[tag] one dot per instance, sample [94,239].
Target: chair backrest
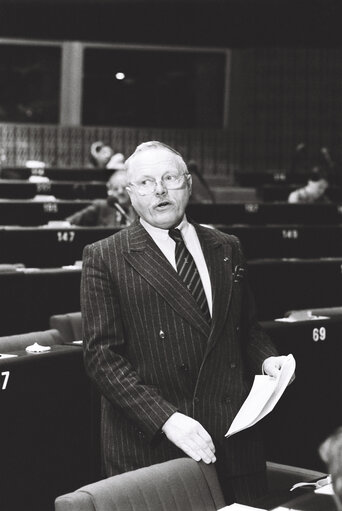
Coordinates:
[181,484]
[19,342]
[69,325]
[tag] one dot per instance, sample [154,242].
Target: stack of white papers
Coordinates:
[264,395]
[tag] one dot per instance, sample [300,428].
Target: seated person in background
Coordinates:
[115,211]
[102,156]
[314,191]
[331,453]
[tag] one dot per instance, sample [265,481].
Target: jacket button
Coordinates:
[162,334]
[233,365]
[184,367]
[141,434]
[196,399]
[238,329]
[226,399]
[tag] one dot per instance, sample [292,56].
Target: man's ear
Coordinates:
[190,183]
[129,191]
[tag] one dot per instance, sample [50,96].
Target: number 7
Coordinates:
[6,375]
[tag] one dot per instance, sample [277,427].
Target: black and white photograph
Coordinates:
[171,255]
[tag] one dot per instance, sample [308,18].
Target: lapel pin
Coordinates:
[226,259]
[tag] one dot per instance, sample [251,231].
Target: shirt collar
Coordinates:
[163,234]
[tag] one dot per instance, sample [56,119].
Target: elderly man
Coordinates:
[170,333]
[115,211]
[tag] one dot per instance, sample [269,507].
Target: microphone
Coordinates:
[326,155]
[193,169]
[113,202]
[299,158]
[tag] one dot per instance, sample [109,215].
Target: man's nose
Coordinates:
[160,187]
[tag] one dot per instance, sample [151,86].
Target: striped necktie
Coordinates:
[188,272]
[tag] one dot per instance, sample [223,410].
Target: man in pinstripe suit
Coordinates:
[172,381]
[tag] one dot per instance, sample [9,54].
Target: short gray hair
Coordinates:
[155,144]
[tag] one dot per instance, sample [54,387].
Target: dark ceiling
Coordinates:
[225,23]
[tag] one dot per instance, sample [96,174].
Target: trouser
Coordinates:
[244,488]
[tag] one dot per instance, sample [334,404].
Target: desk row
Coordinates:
[57,174]
[51,415]
[31,212]
[16,189]
[29,297]
[53,247]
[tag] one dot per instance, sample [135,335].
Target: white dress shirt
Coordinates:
[167,245]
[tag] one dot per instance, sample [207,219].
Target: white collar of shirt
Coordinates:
[167,246]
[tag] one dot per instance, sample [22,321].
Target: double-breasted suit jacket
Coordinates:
[150,351]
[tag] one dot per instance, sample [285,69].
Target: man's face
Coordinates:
[163,208]
[117,188]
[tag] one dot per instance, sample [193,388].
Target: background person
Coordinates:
[170,334]
[115,211]
[331,453]
[103,156]
[314,191]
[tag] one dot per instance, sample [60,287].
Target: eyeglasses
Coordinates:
[149,184]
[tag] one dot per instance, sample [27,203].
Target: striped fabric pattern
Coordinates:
[188,272]
[151,352]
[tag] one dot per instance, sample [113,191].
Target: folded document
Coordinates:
[264,395]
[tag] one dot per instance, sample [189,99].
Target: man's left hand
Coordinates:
[273,365]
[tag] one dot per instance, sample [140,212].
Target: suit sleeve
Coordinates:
[104,341]
[257,344]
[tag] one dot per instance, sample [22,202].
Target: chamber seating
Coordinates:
[284,241]
[59,246]
[282,284]
[263,213]
[57,174]
[269,177]
[322,311]
[310,408]
[29,297]
[32,212]
[49,444]
[19,189]
[47,247]
[68,325]
[18,342]
[181,484]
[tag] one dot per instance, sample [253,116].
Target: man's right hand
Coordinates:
[188,434]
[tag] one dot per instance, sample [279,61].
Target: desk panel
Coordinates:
[47,247]
[46,427]
[57,174]
[304,283]
[30,212]
[52,247]
[276,177]
[259,213]
[28,299]
[277,285]
[19,189]
[310,409]
[301,241]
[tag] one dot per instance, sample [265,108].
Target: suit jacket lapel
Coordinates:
[218,257]
[148,260]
